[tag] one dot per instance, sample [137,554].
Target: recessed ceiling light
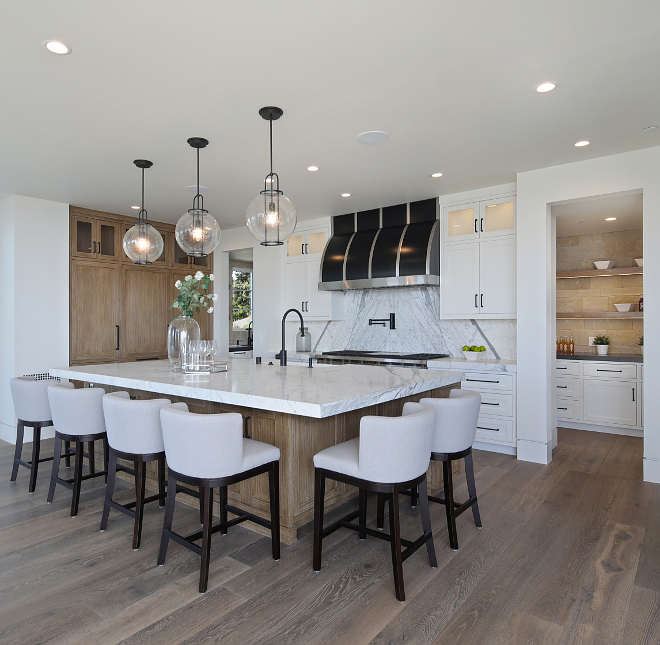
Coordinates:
[135,208]
[580,144]
[436,174]
[312,168]
[57,47]
[546,87]
[649,128]
[193,189]
[610,219]
[580,221]
[345,194]
[372,137]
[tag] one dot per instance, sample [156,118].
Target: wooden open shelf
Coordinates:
[596,315]
[600,273]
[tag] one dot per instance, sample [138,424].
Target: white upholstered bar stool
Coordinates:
[134,434]
[32,409]
[209,451]
[78,418]
[392,454]
[455,430]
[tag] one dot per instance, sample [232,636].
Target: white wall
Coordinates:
[34,272]
[537,190]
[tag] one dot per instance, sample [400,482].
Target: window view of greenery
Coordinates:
[241,298]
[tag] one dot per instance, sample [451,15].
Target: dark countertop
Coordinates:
[616,358]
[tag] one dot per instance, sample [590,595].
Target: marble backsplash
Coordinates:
[418,327]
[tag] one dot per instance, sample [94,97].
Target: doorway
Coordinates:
[241,302]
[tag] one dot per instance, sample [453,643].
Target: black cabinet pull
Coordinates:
[306,249]
[476,300]
[478,380]
[484,428]
[302,249]
[475,226]
[482,224]
[482,300]
[486,403]
[117,348]
[563,387]
[562,408]
[245,427]
[562,368]
[633,393]
[600,370]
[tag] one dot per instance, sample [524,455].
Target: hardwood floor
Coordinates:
[569,554]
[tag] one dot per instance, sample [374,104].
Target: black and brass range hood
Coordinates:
[394,246]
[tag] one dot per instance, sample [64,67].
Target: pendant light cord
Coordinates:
[271,147]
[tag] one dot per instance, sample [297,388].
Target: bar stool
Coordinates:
[78,418]
[31,406]
[392,454]
[134,434]
[455,430]
[209,451]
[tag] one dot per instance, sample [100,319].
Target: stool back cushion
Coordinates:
[207,446]
[133,426]
[396,449]
[77,412]
[456,420]
[31,397]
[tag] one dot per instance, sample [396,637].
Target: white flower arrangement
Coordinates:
[193,294]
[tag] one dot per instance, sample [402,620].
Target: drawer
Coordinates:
[568,386]
[488,381]
[492,429]
[568,368]
[597,369]
[493,403]
[569,410]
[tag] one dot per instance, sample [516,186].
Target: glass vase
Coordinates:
[181,331]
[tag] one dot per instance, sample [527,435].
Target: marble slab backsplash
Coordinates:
[418,327]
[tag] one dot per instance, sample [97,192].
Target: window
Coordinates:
[241,298]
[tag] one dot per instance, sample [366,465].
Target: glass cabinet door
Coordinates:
[83,237]
[181,258]
[107,242]
[315,244]
[498,217]
[295,247]
[461,222]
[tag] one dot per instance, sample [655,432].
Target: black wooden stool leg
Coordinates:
[472,488]
[363,513]
[167,520]
[36,448]
[222,501]
[67,454]
[426,522]
[201,506]
[141,479]
[109,490]
[449,505]
[274,490]
[207,507]
[57,454]
[77,477]
[395,544]
[20,433]
[319,495]
[414,496]
[380,512]
[91,458]
[161,481]
[106,457]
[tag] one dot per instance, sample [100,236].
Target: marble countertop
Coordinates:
[480,365]
[294,389]
[612,358]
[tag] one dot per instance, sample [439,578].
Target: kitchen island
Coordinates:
[298,409]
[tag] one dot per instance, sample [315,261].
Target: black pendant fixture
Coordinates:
[143,243]
[271,217]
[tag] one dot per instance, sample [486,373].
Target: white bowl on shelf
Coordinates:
[474,356]
[604,264]
[639,262]
[626,306]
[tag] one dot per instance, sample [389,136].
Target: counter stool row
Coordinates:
[207,451]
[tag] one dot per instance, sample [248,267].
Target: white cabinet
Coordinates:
[300,277]
[610,403]
[497,277]
[459,280]
[479,220]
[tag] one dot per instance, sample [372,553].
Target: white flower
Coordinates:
[210,310]
[188,278]
[195,296]
[177,284]
[214,296]
[175,305]
[199,275]
[211,277]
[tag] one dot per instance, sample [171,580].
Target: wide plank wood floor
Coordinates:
[569,553]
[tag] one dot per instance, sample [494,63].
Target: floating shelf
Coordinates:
[596,315]
[600,273]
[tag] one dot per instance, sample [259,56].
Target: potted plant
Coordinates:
[602,343]
[641,344]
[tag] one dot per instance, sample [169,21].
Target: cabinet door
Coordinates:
[315,243]
[497,217]
[497,276]
[318,304]
[610,403]
[459,279]
[179,257]
[145,315]
[460,223]
[107,240]
[82,237]
[94,310]
[295,247]
[294,286]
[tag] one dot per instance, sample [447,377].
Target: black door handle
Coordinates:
[486,403]
[245,427]
[475,226]
[117,348]
[484,428]
[482,300]
[476,300]
[633,393]
[482,224]
[563,387]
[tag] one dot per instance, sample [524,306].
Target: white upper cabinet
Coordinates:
[479,220]
[459,279]
[497,217]
[497,276]
[460,223]
[307,245]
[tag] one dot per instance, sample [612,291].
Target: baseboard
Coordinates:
[652,470]
[494,447]
[592,427]
[535,451]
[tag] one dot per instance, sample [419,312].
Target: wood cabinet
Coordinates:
[94,238]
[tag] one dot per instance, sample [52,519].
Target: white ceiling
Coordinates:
[451,82]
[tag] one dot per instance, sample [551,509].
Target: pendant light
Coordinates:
[197,232]
[143,243]
[271,217]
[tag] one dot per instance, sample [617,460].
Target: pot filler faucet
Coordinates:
[302,333]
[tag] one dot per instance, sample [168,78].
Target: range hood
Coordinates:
[395,246]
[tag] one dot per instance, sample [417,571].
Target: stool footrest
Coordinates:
[460,507]
[340,523]
[68,483]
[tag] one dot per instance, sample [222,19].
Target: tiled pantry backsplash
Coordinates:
[599,294]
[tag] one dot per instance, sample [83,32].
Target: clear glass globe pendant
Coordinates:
[197,232]
[271,217]
[142,242]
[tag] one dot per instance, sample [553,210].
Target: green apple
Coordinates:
[482,349]
[466,348]
[474,348]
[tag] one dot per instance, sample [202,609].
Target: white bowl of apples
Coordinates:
[473,352]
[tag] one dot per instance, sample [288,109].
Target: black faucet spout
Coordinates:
[302,333]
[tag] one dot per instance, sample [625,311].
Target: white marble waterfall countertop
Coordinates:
[294,389]
[479,365]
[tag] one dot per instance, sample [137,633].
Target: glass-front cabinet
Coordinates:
[479,220]
[307,245]
[95,238]
[181,259]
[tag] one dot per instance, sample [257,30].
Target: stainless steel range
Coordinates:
[352,356]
